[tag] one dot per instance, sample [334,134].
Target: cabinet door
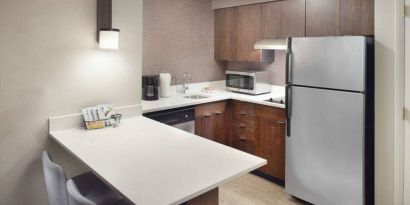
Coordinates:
[211,121]
[293,18]
[204,125]
[272,19]
[224,34]
[247,32]
[220,127]
[322,17]
[368,17]
[356,17]
[270,136]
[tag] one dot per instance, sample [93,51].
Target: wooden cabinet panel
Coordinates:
[204,126]
[368,17]
[221,127]
[270,137]
[350,19]
[322,17]
[293,18]
[248,30]
[272,19]
[244,109]
[243,126]
[225,34]
[243,144]
[243,131]
[212,121]
[356,17]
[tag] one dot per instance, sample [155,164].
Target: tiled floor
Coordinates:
[253,190]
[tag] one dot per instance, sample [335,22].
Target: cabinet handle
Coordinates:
[242,126]
[218,113]
[278,130]
[207,115]
[242,138]
[242,113]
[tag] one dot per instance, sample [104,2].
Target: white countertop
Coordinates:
[152,163]
[178,100]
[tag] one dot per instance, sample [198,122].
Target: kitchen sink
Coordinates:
[196,97]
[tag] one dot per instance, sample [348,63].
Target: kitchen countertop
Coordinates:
[178,100]
[152,163]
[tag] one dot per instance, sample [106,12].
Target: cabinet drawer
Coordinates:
[248,121]
[210,109]
[243,131]
[243,111]
[244,145]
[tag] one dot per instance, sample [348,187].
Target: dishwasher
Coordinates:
[181,118]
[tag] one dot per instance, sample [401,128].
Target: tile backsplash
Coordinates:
[179,38]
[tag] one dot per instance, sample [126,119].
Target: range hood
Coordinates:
[271,44]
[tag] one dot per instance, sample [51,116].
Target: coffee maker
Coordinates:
[150,84]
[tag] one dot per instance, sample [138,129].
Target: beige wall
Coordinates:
[179,38]
[50,65]
[389,66]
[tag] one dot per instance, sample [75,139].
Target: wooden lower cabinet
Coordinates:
[243,126]
[255,129]
[270,139]
[212,121]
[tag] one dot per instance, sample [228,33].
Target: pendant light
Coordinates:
[107,37]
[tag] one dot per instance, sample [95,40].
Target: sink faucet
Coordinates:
[187,79]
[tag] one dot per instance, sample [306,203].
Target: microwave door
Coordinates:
[240,81]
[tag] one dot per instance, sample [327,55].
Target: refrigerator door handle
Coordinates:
[288,101]
[289,62]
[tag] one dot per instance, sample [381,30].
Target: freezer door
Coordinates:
[325,151]
[328,62]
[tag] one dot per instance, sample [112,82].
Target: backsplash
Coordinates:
[278,67]
[179,38]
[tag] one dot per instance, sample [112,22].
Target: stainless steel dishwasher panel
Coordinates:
[181,118]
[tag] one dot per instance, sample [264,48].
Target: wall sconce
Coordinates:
[107,37]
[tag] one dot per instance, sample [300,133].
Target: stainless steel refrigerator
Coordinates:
[330,120]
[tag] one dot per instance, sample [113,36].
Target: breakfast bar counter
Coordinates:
[152,163]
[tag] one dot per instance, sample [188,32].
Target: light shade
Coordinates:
[109,38]
[271,44]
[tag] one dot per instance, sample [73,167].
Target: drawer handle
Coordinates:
[242,138]
[207,115]
[281,122]
[242,126]
[243,113]
[218,113]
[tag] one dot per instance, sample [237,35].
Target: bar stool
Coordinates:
[91,189]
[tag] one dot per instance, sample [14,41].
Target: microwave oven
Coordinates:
[252,82]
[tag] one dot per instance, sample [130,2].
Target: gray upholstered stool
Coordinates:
[85,189]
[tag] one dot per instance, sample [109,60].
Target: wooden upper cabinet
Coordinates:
[356,17]
[225,34]
[293,18]
[248,31]
[368,17]
[272,19]
[322,17]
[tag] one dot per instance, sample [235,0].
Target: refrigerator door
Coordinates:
[328,62]
[325,151]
